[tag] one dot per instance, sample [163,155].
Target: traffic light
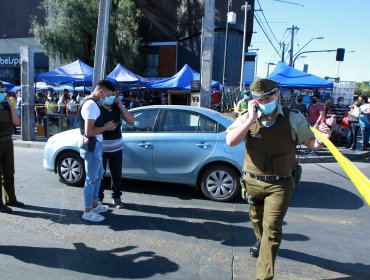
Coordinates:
[340,54]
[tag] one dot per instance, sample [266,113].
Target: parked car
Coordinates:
[168,143]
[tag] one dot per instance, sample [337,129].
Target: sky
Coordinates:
[343,24]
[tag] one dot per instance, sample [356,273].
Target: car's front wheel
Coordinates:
[220,183]
[70,168]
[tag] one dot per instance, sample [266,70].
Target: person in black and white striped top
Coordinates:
[112,109]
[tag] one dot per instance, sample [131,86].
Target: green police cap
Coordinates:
[263,88]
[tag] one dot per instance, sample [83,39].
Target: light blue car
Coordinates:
[168,143]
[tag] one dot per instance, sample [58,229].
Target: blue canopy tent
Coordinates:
[75,73]
[289,77]
[8,86]
[181,80]
[125,77]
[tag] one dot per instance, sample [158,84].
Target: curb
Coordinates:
[29,144]
[328,158]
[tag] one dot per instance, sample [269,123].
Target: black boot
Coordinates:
[255,249]
[5,209]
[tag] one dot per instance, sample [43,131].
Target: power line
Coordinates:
[266,35]
[263,14]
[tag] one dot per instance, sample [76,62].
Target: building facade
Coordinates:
[171,33]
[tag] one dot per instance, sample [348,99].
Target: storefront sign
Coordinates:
[9,60]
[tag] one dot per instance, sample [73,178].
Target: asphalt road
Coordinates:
[172,232]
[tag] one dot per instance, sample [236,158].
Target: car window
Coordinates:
[144,121]
[186,121]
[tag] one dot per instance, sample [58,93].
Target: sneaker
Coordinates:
[100,208]
[92,217]
[117,203]
[254,251]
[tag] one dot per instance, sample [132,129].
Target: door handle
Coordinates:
[145,145]
[203,145]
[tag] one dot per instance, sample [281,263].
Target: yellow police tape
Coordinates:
[361,182]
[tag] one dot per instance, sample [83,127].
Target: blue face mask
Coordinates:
[340,103]
[267,108]
[120,97]
[2,97]
[109,100]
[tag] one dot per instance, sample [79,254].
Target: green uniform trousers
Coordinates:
[7,171]
[267,219]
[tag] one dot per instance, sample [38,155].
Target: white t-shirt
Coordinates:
[90,111]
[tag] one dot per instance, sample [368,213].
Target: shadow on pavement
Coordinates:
[224,232]
[194,213]
[358,271]
[116,263]
[184,192]
[324,196]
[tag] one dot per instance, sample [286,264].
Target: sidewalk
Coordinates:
[321,156]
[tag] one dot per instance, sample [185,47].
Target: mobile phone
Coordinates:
[256,108]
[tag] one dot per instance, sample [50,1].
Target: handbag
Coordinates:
[345,122]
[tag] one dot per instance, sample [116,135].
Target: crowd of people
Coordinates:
[344,120]
[51,105]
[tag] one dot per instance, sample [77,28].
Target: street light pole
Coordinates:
[226,41]
[298,54]
[316,38]
[246,8]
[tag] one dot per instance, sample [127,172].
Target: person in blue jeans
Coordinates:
[364,121]
[113,109]
[91,127]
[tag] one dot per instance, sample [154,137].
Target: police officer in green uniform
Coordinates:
[271,133]
[8,119]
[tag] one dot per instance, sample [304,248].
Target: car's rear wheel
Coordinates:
[71,170]
[220,183]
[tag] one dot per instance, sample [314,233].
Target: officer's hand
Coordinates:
[252,110]
[111,125]
[324,129]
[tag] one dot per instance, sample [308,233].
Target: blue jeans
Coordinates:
[72,120]
[352,136]
[365,131]
[94,173]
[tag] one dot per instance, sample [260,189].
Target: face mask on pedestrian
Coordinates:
[314,101]
[109,100]
[340,103]
[120,97]
[299,100]
[50,98]
[2,97]
[267,108]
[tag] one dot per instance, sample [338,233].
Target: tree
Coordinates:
[70,31]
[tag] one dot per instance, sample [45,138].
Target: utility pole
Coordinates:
[292,44]
[229,4]
[101,41]
[28,94]
[246,8]
[207,53]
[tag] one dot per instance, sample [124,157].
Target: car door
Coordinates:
[184,140]
[138,144]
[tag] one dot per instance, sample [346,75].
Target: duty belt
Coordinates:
[268,178]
